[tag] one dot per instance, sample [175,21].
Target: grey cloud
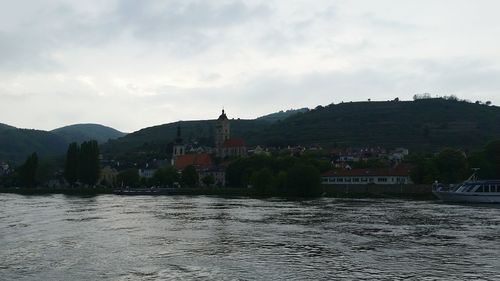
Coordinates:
[181,27]
[188,27]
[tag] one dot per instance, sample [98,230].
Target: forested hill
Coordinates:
[155,141]
[420,124]
[84,132]
[427,124]
[16,144]
[282,115]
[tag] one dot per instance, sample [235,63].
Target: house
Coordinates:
[398,155]
[108,175]
[147,172]
[233,147]
[4,169]
[217,172]
[199,161]
[398,175]
[204,165]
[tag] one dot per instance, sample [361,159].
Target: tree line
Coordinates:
[82,163]
[166,176]
[278,175]
[454,166]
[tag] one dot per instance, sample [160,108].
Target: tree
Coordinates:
[303,181]
[452,165]
[89,162]
[165,176]
[208,180]
[71,165]
[129,177]
[492,156]
[189,176]
[262,182]
[425,171]
[27,172]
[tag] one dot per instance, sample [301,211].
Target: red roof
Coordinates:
[234,143]
[202,160]
[384,172]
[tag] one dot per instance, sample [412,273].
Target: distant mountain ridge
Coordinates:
[83,132]
[16,144]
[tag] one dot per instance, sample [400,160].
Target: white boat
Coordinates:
[470,191]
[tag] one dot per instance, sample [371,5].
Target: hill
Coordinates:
[156,141]
[421,124]
[282,115]
[5,127]
[83,132]
[16,144]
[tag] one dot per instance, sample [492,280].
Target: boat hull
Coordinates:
[459,197]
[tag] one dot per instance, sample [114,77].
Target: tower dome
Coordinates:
[223,116]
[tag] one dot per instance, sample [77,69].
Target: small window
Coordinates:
[340,180]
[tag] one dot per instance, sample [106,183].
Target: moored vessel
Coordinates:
[470,191]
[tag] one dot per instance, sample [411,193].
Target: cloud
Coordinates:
[141,63]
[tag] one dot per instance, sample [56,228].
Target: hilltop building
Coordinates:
[225,146]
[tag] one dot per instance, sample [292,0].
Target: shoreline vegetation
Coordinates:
[417,192]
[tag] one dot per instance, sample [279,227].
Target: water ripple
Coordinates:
[208,238]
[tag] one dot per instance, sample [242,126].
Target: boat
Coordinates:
[470,191]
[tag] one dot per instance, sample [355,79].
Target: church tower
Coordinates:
[179,147]
[222,131]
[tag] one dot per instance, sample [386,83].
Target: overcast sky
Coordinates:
[134,64]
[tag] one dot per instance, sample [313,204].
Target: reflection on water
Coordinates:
[205,238]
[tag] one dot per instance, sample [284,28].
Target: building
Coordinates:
[200,161]
[398,175]
[108,176]
[218,173]
[222,130]
[225,146]
[4,169]
[179,148]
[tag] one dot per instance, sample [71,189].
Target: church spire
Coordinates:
[178,139]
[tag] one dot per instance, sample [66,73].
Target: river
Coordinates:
[109,237]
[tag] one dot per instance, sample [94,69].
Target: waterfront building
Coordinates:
[398,175]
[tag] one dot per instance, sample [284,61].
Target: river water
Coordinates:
[109,237]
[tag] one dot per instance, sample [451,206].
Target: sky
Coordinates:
[132,64]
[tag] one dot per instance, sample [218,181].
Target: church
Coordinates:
[225,146]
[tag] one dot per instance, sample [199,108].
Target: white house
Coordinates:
[400,175]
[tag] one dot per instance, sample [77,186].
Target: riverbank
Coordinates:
[379,191]
[334,191]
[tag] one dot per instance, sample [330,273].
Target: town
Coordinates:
[231,164]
